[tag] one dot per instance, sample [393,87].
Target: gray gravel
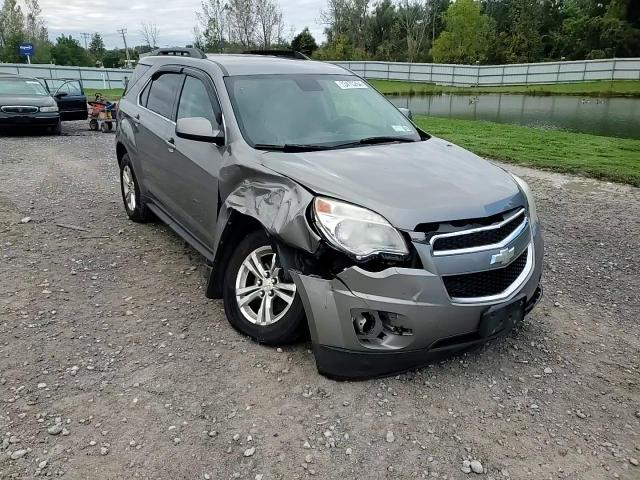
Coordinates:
[105,334]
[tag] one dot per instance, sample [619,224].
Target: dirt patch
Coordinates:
[114,365]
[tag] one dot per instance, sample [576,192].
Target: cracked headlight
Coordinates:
[524,187]
[49,109]
[356,230]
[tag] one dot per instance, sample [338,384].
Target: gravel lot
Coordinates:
[114,365]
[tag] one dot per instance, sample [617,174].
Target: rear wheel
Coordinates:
[133,202]
[260,300]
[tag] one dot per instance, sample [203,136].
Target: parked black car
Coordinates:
[26,102]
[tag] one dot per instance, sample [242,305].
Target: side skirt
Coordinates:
[182,232]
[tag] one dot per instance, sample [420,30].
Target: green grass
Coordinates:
[110,94]
[617,88]
[605,158]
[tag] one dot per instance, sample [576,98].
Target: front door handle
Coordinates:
[171,144]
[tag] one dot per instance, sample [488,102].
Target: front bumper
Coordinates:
[38,119]
[431,325]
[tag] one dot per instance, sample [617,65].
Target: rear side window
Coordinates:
[195,102]
[163,93]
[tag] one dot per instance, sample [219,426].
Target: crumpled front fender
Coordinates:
[277,202]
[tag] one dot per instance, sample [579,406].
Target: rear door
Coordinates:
[71,101]
[155,122]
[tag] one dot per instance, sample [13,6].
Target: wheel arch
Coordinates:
[121,151]
[236,228]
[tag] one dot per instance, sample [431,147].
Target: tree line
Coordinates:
[481,31]
[442,31]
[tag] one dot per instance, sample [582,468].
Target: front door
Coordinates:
[71,101]
[193,180]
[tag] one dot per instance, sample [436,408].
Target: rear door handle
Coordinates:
[171,144]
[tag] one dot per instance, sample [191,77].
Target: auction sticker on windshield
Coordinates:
[347,84]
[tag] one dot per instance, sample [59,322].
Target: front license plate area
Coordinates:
[501,317]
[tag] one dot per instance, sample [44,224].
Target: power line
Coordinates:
[123,32]
[86,36]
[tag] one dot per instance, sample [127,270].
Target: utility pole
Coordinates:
[86,36]
[123,32]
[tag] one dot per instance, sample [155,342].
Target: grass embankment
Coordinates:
[605,158]
[617,88]
[110,94]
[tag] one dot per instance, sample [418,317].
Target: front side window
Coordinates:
[13,86]
[70,88]
[195,102]
[314,110]
[162,94]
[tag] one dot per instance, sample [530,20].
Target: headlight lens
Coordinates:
[533,214]
[49,109]
[356,230]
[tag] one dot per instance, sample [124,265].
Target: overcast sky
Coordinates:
[175,18]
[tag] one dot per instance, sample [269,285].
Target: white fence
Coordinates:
[91,77]
[443,74]
[515,74]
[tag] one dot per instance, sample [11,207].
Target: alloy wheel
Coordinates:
[263,297]
[129,188]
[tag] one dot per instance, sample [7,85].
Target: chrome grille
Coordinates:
[482,237]
[19,109]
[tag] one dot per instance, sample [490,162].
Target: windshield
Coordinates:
[314,110]
[19,86]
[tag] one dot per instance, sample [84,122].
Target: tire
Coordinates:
[93,125]
[285,322]
[134,205]
[104,127]
[57,129]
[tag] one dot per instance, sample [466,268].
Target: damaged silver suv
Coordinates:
[321,207]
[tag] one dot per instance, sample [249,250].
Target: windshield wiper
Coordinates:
[384,139]
[290,147]
[375,140]
[296,147]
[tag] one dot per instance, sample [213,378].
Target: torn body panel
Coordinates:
[275,201]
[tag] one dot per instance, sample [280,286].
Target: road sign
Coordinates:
[27,50]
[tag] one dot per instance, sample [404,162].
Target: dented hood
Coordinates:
[407,183]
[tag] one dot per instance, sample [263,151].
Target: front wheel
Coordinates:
[260,300]
[56,129]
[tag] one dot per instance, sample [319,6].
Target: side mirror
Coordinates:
[199,129]
[61,94]
[406,112]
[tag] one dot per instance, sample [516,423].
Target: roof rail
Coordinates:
[179,52]
[279,53]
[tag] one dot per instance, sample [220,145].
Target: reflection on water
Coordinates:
[616,117]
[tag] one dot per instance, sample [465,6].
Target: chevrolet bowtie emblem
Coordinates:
[504,257]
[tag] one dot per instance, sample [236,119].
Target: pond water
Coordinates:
[616,117]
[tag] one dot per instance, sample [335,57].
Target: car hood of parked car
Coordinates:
[28,100]
[407,183]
